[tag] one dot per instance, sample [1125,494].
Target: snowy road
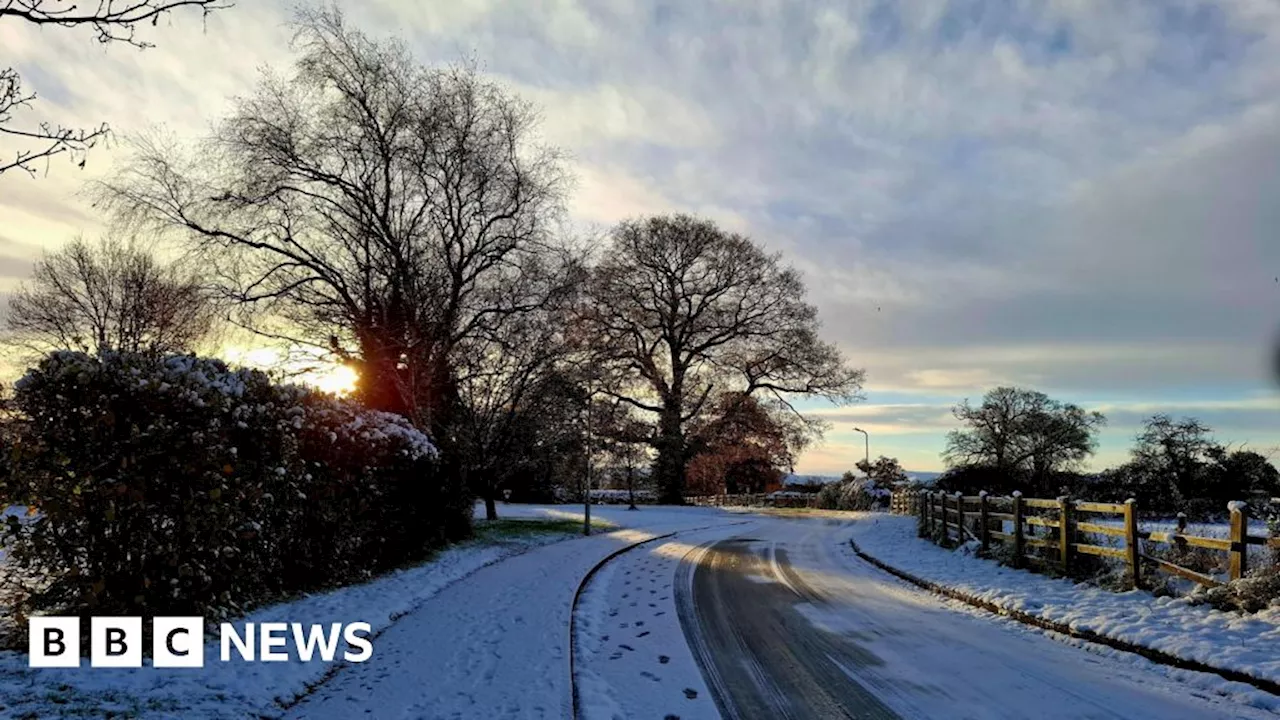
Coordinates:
[787,624]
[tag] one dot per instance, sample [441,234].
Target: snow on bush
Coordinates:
[178,486]
[858,493]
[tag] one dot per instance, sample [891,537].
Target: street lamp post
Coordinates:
[866,444]
[586,515]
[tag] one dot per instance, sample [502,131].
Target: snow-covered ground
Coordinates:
[240,689]
[632,657]
[1246,643]
[496,644]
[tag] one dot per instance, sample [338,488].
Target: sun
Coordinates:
[308,369]
[336,379]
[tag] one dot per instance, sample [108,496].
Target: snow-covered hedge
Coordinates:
[852,494]
[177,486]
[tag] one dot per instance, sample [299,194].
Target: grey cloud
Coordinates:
[957,184]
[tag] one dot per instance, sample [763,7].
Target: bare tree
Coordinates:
[111,295]
[381,211]
[681,312]
[112,21]
[1018,431]
[512,381]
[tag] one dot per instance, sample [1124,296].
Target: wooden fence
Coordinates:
[904,502]
[1056,529]
[756,500]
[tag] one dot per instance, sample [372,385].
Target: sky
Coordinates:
[1077,196]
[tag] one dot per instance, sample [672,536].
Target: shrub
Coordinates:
[174,485]
[1257,591]
[848,494]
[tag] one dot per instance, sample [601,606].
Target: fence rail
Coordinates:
[756,500]
[1066,523]
[903,502]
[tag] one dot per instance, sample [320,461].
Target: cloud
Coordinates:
[1069,194]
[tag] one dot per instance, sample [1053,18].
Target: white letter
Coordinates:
[352,639]
[273,637]
[328,643]
[245,646]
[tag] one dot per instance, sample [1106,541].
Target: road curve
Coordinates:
[787,624]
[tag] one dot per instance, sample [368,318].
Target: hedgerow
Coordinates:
[176,485]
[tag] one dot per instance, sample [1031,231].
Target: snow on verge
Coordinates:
[240,689]
[1232,641]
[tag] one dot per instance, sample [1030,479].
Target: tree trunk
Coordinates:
[669,467]
[490,507]
[631,487]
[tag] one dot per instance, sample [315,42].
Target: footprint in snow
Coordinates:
[646,632]
[690,693]
[627,647]
[663,659]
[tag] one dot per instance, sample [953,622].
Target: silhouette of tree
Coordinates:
[1022,433]
[111,295]
[681,311]
[113,21]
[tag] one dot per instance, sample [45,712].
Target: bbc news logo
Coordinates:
[178,642]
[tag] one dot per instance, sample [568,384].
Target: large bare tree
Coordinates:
[1016,432]
[110,295]
[681,312]
[385,212]
[112,21]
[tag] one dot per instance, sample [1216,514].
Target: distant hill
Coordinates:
[923,477]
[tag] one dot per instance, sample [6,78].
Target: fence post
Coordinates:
[1131,548]
[923,528]
[1239,538]
[946,528]
[1064,533]
[959,518]
[933,515]
[1018,540]
[984,524]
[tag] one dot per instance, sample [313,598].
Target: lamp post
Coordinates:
[586,515]
[866,444]
[592,391]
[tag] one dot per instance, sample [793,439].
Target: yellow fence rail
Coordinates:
[1066,523]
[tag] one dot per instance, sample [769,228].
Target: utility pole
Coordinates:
[866,444]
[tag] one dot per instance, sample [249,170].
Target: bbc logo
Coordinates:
[177,642]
